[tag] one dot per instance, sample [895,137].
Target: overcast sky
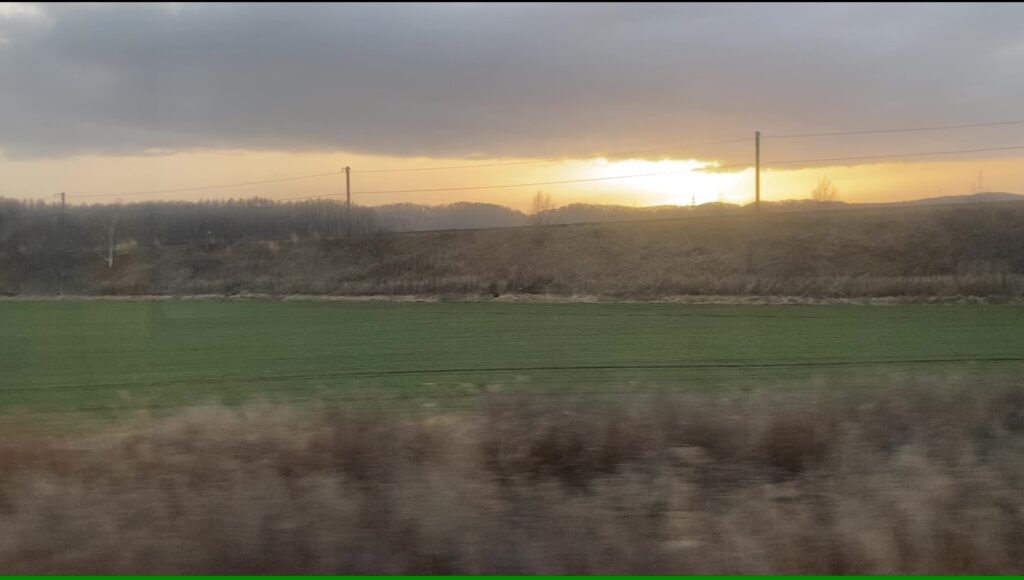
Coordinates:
[510,80]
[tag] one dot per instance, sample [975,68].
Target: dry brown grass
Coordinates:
[913,254]
[911,480]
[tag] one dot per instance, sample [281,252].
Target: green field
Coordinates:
[111,355]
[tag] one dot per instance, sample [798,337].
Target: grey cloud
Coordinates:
[504,80]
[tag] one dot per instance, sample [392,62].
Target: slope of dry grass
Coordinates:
[912,480]
[912,252]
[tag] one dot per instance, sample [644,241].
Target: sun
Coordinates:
[671,182]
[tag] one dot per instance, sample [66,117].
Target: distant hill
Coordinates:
[984,197]
[404,217]
[585,213]
[416,217]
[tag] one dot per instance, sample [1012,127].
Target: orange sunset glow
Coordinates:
[145,120]
[676,181]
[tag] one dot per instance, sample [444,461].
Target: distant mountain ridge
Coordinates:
[470,215]
[983,197]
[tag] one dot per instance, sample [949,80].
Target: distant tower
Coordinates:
[693,199]
[980,186]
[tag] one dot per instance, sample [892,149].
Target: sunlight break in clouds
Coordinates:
[111,98]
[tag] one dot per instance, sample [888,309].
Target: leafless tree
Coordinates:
[825,190]
[539,208]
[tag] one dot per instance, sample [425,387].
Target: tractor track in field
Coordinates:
[682,299]
[456,371]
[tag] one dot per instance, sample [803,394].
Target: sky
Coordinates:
[111,102]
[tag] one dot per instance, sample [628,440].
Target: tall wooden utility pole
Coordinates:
[757,171]
[757,202]
[63,246]
[348,202]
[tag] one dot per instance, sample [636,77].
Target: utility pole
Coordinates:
[348,202]
[63,246]
[757,201]
[757,171]
[109,259]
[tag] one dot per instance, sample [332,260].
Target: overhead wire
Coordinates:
[899,130]
[542,162]
[595,179]
[891,155]
[532,184]
[207,187]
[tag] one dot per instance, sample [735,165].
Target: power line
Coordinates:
[901,130]
[891,155]
[205,187]
[709,143]
[586,179]
[702,169]
[394,170]
[506,185]
[535,162]
[619,154]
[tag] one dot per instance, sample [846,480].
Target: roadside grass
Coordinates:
[895,480]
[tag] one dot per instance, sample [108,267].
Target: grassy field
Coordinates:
[685,439]
[115,355]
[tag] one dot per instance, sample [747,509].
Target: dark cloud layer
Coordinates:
[502,80]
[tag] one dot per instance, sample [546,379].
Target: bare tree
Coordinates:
[539,208]
[825,190]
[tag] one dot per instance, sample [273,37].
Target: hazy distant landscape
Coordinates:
[804,249]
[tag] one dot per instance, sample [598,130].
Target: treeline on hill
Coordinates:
[301,248]
[35,224]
